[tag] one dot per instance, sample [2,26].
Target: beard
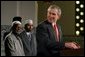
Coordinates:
[19,31]
[28,30]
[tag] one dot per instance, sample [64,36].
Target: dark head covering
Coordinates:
[17,18]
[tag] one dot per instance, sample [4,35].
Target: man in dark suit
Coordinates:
[29,39]
[49,34]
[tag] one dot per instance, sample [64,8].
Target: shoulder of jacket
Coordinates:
[22,32]
[8,35]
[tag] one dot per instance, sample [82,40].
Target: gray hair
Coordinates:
[55,7]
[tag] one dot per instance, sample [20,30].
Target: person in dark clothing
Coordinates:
[29,39]
[49,35]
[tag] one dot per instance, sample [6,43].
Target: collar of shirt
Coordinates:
[53,24]
[28,33]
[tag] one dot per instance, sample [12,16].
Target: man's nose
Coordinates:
[51,15]
[19,28]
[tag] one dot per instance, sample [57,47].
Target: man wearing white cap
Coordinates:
[16,18]
[13,43]
[28,39]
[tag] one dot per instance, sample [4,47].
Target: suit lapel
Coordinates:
[51,31]
[25,36]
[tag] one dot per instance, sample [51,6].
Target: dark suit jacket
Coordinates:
[30,46]
[46,41]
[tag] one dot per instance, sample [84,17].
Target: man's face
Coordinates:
[29,27]
[18,28]
[52,15]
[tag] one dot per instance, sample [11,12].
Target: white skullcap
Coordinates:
[29,21]
[16,22]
